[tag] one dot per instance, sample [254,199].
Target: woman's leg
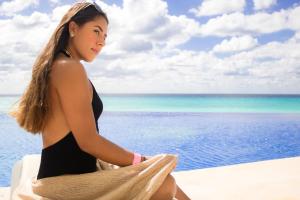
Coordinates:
[180,195]
[168,190]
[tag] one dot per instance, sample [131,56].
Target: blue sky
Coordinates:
[157,46]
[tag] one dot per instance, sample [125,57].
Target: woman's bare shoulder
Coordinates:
[67,70]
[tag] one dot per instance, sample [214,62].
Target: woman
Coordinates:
[62,104]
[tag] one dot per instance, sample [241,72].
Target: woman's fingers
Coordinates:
[147,157]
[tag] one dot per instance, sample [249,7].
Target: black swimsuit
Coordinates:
[65,156]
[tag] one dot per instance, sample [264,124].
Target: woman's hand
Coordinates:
[144,158]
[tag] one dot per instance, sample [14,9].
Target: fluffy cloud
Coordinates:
[236,44]
[153,23]
[36,19]
[59,12]
[263,4]
[216,7]
[129,44]
[54,2]
[9,8]
[293,17]
[22,37]
[237,24]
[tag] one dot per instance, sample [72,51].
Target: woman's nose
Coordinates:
[101,40]
[101,43]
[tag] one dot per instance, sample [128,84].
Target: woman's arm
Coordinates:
[104,149]
[72,86]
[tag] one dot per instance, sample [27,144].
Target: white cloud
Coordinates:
[9,8]
[236,44]
[154,25]
[131,44]
[263,4]
[22,37]
[293,18]
[217,7]
[236,24]
[296,37]
[54,2]
[58,12]
[35,19]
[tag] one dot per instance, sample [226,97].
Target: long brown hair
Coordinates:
[34,106]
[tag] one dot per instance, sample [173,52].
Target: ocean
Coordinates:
[203,130]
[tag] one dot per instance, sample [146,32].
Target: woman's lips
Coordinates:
[95,51]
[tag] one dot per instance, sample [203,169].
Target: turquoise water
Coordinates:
[193,103]
[203,130]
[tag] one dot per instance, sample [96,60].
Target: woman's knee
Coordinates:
[170,183]
[167,190]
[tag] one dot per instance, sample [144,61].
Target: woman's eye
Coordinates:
[96,31]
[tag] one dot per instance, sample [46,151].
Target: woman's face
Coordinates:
[89,39]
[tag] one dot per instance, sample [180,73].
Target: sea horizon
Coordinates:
[200,94]
[223,103]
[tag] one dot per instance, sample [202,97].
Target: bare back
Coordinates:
[56,126]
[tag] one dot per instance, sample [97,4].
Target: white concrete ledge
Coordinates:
[266,180]
[4,193]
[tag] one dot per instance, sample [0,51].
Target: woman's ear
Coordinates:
[73,27]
